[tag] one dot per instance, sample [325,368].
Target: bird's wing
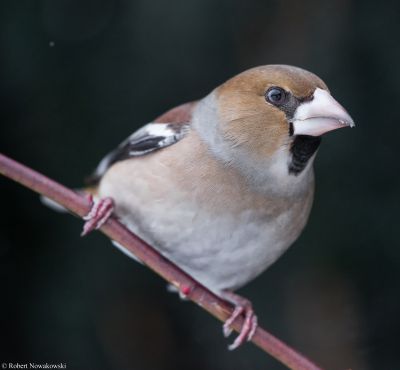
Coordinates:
[164,131]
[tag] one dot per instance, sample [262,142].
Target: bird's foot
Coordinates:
[98,215]
[242,306]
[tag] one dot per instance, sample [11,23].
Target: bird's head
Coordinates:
[274,114]
[266,107]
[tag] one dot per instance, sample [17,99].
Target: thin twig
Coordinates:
[154,260]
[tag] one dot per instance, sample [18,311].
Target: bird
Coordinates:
[222,186]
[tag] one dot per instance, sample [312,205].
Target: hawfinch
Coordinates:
[224,185]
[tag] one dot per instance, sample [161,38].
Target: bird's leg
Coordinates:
[98,215]
[242,306]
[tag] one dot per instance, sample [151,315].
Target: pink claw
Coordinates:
[98,215]
[242,306]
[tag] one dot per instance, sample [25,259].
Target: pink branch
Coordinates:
[154,260]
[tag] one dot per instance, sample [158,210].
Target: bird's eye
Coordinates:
[275,96]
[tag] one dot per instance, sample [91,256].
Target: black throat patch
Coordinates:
[303,147]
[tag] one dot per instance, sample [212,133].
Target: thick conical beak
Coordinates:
[320,115]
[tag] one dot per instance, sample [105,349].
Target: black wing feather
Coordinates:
[141,142]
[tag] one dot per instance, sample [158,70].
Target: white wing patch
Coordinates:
[154,129]
[149,138]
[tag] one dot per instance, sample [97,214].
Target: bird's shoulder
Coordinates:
[167,129]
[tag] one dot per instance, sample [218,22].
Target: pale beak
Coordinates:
[320,115]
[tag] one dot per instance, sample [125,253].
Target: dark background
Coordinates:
[77,77]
